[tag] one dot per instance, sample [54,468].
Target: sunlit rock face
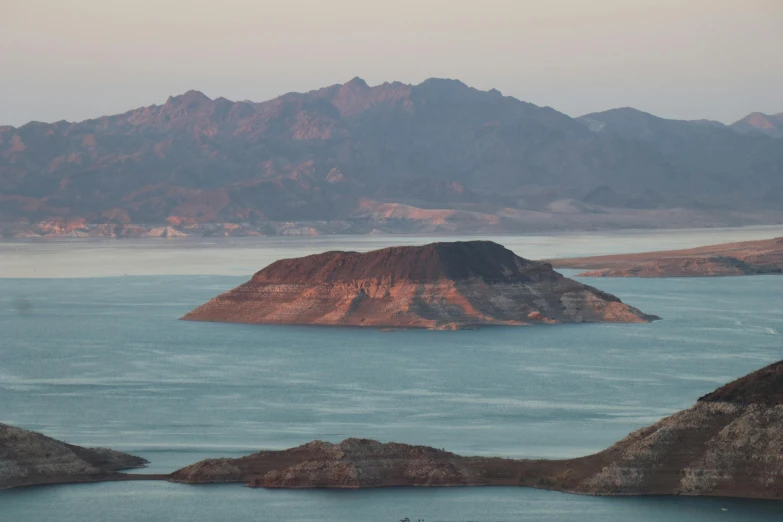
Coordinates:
[437,286]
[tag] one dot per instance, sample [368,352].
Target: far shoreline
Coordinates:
[66,239]
[242,256]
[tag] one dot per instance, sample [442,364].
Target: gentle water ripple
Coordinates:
[104,361]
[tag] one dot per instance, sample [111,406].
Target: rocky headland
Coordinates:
[28,458]
[728,259]
[437,286]
[730,443]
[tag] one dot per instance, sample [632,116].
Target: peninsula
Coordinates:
[728,259]
[28,458]
[437,286]
[728,444]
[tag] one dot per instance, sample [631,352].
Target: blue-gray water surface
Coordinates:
[104,362]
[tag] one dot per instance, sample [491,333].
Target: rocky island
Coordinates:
[28,458]
[437,286]
[728,259]
[730,443]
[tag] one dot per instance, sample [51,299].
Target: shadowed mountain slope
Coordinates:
[716,158]
[477,159]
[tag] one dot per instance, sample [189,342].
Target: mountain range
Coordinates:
[438,156]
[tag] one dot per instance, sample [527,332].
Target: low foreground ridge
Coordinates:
[728,444]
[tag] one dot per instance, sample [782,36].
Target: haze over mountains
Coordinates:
[438,156]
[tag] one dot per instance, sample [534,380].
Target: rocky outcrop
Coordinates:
[438,286]
[363,463]
[28,458]
[729,444]
[353,463]
[729,259]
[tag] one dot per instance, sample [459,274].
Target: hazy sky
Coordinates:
[75,59]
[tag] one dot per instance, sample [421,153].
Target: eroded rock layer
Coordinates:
[29,458]
[729,444]
[441,285]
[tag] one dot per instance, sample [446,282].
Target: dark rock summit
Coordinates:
[762,387]
[456,261]
[440,285]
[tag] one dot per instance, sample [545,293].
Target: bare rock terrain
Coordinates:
[437,286]
[729,444]
[29,458]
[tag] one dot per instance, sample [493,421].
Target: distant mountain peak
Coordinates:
[623,112]
[357,83]
[759,119]
[628,110]
[188,98]
[444,83]
[771,125]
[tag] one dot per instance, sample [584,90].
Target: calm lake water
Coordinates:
[103,361]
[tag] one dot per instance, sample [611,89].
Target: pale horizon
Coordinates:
[704,60]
